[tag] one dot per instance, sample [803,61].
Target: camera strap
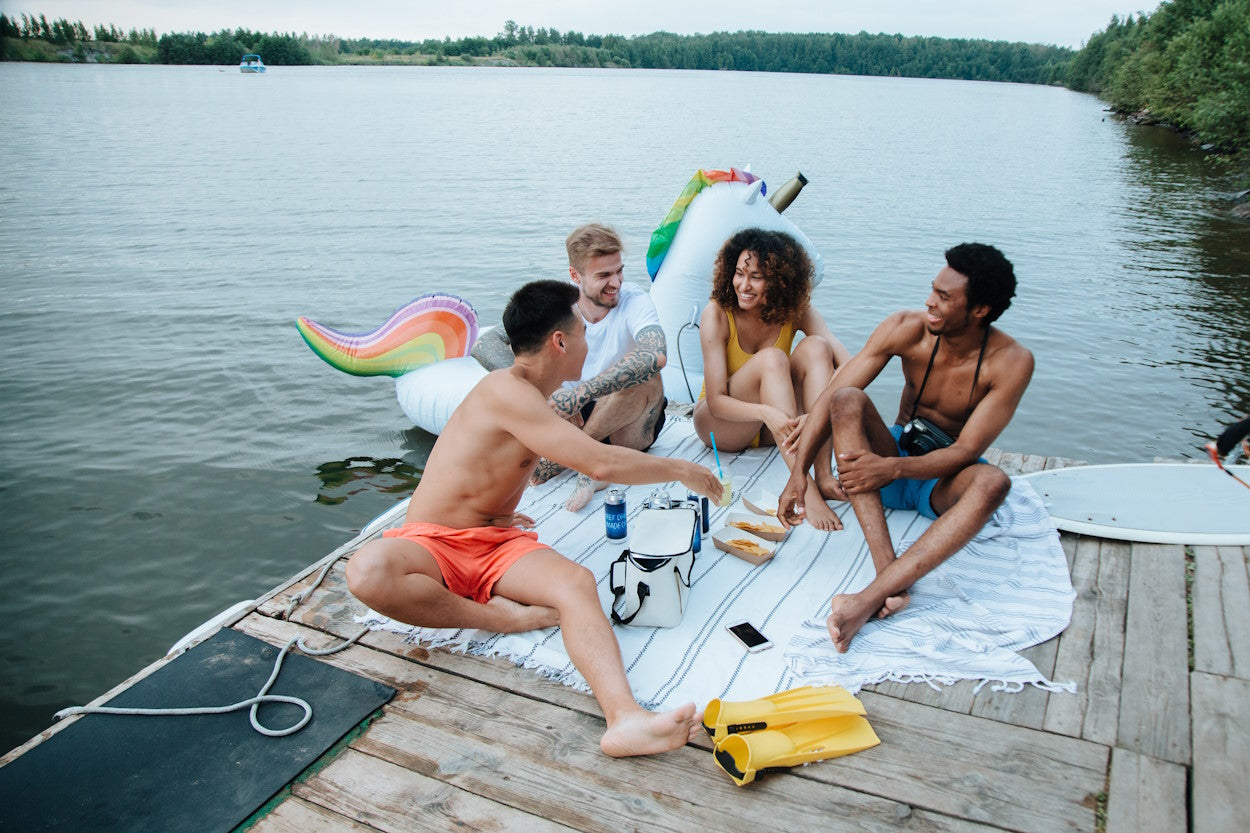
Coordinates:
[975,375]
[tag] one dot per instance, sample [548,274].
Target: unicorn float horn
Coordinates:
[785,195]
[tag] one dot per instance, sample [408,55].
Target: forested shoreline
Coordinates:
[1186,64]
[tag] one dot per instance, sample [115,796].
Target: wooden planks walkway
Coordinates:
[1155,739]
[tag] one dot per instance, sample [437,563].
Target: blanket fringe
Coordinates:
[938,681]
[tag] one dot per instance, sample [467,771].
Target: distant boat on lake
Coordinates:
[251,63]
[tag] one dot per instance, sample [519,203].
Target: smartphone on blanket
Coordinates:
[751,639]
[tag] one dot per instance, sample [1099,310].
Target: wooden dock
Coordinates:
[1157,737]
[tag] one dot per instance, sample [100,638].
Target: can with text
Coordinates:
[614,514]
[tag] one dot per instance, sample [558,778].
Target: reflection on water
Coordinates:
[340,480]
[1207,252]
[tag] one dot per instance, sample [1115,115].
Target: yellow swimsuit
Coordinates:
[736,357]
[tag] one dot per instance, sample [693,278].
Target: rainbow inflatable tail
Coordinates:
[431,328]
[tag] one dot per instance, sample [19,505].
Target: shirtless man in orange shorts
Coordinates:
[462,561]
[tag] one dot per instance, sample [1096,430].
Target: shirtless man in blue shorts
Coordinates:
[465,558]
[964,378]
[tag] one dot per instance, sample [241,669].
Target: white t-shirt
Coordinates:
[610,338]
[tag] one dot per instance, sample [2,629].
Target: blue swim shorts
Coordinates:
[911,494]
[908,494]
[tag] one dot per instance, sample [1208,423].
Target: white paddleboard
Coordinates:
[1163,503]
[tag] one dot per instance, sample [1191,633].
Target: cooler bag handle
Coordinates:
[618,590]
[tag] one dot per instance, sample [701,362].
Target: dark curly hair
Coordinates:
[991,278]
[786,268]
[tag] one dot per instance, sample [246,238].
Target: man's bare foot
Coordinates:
[583,492]
[830,488]
[894,604]
[544,471]
[821,516]
[518,618]
[646,733]
[848,616]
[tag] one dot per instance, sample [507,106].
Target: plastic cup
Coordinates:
[726,497]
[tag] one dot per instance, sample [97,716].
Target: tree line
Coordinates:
[1186,64]
[861,54]
[62,31]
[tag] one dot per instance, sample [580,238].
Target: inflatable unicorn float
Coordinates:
[425,344]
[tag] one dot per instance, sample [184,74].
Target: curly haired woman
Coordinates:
[755,384]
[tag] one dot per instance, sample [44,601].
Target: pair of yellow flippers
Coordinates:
[782,730]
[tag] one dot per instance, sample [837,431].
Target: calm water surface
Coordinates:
[170,446]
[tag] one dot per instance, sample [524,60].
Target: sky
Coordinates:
[1059,22]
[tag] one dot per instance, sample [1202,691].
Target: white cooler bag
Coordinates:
[651,579]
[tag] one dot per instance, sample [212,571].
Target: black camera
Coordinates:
[921,436]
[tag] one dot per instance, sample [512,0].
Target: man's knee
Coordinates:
[369,572]
[848,402]
[577,582]
[991,485]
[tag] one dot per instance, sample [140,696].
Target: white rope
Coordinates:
[262,696]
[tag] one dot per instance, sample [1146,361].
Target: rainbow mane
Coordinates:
[431,328]
[662,237]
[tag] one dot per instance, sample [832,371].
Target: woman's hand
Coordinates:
[778,422]
[795,433]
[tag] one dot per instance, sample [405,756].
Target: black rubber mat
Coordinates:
[194,773]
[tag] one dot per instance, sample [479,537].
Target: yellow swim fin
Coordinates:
[743,756]
[722,718]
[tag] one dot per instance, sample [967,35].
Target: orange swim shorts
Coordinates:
[471,560]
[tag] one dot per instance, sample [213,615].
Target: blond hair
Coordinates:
[590,241]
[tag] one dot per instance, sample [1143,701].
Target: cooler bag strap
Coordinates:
[689,569]
[616,579]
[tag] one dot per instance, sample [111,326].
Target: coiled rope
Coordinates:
[262,696]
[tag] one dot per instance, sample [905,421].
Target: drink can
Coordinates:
[658,499]
[692,500]
[614,514]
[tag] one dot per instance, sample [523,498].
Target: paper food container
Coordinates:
[744,545]
[763,526]
[762,502]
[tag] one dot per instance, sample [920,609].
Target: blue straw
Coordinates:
[719,470]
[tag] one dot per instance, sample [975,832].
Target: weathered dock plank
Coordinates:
[1221,611]
[545,760]
[978,769]
[1221,713]
[1154,697]
[1145,795]
[1026,707]
[298,816]
[397,800]
[988,770]
[1091,650]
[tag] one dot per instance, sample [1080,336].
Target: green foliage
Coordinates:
[227,47]
[1187,64]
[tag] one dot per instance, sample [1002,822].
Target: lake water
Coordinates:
[170,446]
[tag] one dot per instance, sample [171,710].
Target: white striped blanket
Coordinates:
[1008,589]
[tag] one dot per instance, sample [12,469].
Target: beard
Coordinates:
[600,301]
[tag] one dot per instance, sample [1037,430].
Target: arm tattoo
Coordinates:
[634,368]
[492,350]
